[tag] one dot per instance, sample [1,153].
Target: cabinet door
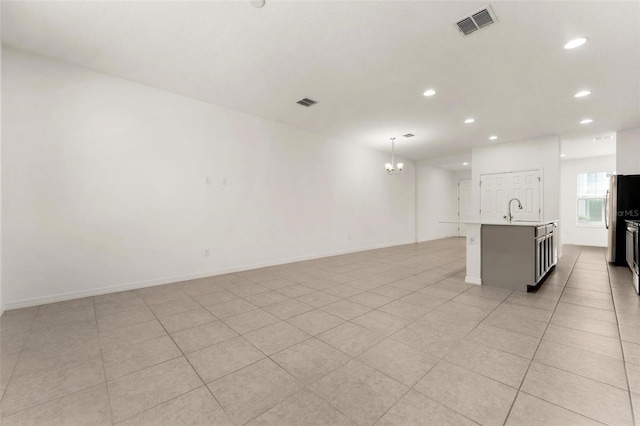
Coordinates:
[549,253]
[539,258]
[554,248]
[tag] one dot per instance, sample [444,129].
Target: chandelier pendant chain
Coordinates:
[393,151]
[393,168]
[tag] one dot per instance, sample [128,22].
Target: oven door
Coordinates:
[635,265]
[636,247]
[630,245]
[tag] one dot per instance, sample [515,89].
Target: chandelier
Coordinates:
[393,168]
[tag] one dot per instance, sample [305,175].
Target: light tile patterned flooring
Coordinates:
[389,337]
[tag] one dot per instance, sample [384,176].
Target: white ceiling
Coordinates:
[366,63]
[583,147]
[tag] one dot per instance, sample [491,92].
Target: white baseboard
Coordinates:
[473,280]
[35,301]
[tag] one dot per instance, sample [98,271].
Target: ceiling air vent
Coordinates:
[306,102]
[409,135]
[467,26]
[477,20]
[482,18]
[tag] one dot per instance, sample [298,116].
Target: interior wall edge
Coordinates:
[41,300]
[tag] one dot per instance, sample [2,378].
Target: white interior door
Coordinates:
[464,205]
[497,189]
[493,197]
[526,188]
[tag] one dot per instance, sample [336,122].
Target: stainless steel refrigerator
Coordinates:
[622,203]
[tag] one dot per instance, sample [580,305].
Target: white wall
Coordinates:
[628,152]
[532,154]
[571,233]
[436,192]
[462,174]
[104,187]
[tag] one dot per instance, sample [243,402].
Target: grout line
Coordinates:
[27,334]
[580,375]
[440,359]
[540,341]
[104,368]
[624,362]
[564,408]
[590,333]
[41,370]
[384,337]
[183,356]
[232,372]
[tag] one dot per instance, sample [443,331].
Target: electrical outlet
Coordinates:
[206,253]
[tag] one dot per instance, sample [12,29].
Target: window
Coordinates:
[592,189]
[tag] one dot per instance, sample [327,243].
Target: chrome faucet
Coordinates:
[510,216]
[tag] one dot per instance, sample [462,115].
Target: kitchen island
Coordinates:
[515,255]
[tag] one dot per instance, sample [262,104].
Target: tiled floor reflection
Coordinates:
[392,337]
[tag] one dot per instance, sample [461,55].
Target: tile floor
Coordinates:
[388,337]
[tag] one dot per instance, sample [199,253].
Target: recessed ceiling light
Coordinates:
[429,92]
[586,121]
[465,164]
[493,138]
[582,94]
[562,155]
[576,42]
[469,120]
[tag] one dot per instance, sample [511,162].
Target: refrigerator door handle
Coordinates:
[606,210]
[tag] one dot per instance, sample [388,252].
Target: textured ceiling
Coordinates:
[365,63]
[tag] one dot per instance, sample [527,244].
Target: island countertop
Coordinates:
[514,223]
